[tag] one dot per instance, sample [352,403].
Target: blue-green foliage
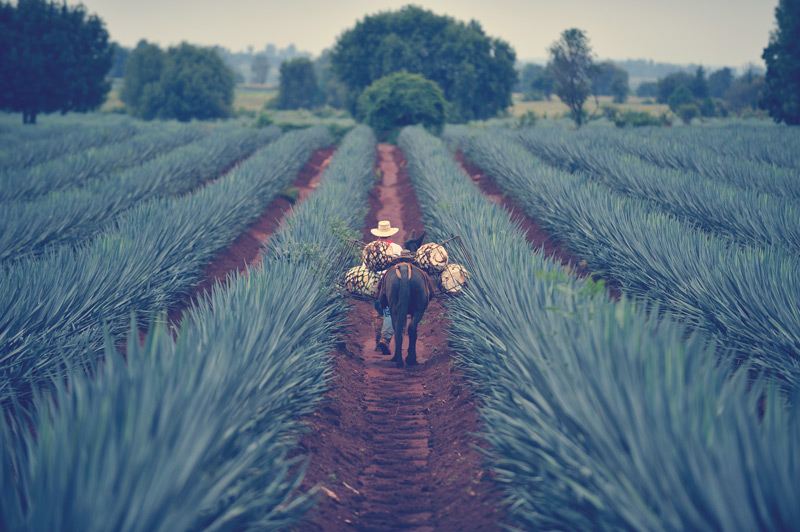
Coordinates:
[749,297]
[743,215]
[71,216]
[334,212]
[754,157]
[152,255]
[600,415]
[83,168]
[197,434]
[67,140]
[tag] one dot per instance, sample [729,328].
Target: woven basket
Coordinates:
[432,257]
[453,279]
[361,281]
[377,255]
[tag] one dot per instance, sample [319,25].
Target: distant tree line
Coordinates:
[689,95]
[536,81]
[718,94]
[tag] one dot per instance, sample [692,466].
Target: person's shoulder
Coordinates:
[397,249]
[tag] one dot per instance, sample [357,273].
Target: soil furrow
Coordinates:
[395,449]
[246,248]
[536,236]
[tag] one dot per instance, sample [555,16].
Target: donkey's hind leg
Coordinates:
[411,359]
[398,350]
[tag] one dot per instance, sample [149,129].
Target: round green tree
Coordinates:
[399,100]
[476,73]
[298,86]
[187,82]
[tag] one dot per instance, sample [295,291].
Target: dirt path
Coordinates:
[395,448]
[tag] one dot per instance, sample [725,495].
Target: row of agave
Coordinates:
[67,217]
[81,168]
[602,415]
[742,214]
[708,153]
[52,309]
[745,296]
[760,143]
[24,149]
[198,432]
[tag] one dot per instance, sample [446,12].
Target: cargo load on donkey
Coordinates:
[362,281]
[402,283]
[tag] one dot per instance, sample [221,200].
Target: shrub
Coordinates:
[263,120]
[338,131]
[639,119]
[402,99]
[687,112]
[528,119]
[680,96]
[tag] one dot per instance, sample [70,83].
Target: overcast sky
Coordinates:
[708,32]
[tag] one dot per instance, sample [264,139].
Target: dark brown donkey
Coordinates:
[406,291]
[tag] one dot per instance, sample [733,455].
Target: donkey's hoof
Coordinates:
[411,361]
[384,348]
[400,365]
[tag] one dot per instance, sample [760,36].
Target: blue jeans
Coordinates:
[387,330]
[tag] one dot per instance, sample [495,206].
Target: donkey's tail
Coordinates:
[403,271]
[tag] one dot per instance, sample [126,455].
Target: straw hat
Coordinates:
[384,229]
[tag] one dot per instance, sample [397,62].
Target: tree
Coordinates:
[476,73]
[298,85]
[184,83]
[746,92]
[526,76]
[647,89]
[699,85]
[259,68]
[54,58]
[719,82]
[142,79]
[121,55]
[781,96]
[680,97]
[670,82]
[196,83]
[572,63]
[402,99]
[611,80]
[332,91]
[542,84]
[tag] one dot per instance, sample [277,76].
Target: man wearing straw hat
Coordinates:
[383,321]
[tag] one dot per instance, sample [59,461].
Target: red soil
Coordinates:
[395,449]
[246,249]
[391,449]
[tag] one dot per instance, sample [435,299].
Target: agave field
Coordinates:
[673,408]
